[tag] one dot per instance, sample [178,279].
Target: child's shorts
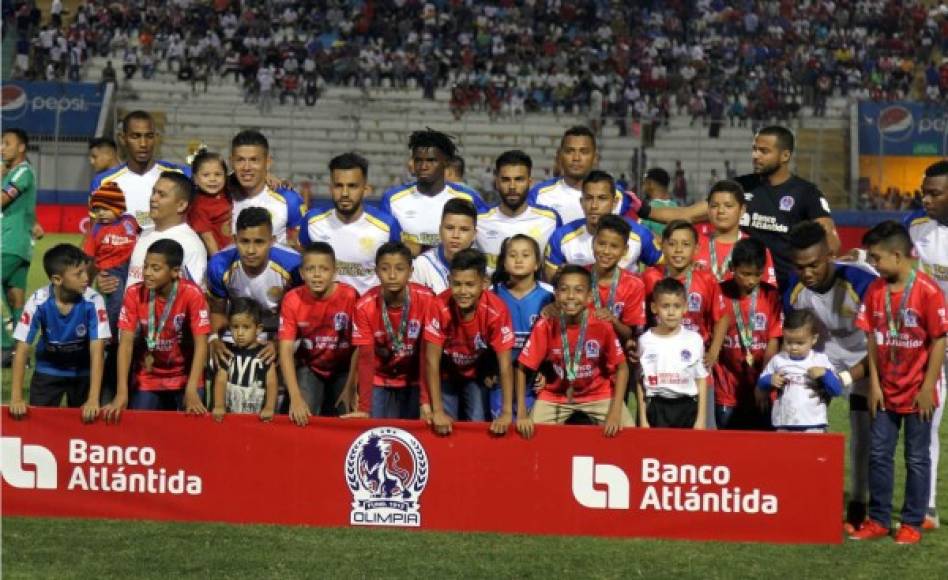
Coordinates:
[678,412]
[48,390]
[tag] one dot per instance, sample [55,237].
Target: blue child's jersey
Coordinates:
[525,311]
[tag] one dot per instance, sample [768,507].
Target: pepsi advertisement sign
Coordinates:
[34,107]
[903,129]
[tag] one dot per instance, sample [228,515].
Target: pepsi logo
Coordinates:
[13,102]
[896,123]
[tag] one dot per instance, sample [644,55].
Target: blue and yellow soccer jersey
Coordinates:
[555,193]
[572,244]
[419,215]
[285,207]
[226,279]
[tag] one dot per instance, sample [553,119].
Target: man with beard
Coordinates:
[514,214]
[415,204]
[354,230]
[576,157]
[776,201]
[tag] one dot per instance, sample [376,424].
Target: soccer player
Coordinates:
[171,197]
[319,315]
[581,360]
[655,188]
[672,389]
[903,316]
[457,230]
[572,242]
[413,204]
[929,231]
[466,326]
[163,332]
[755,326]
[388,334]
[137,176]
[618,295]
[576,158]
[833,293]
[18,199]
[514,214]
[256,268]
[73,327]
[355,230]
[103,154]
[251,161]
[247,383]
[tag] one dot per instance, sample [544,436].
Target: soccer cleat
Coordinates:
[908,535]
[931,521]
[870,530]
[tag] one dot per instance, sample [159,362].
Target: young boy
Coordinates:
[464,325]
[247,384]
[752,338]
[73,326]
[578,355]
[903,316]
[618,295]
[799,380]
[457,231]
[319,315]
[673,387]
[387,333]
[163,332]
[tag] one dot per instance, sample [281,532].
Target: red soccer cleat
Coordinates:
[908,535]
[870,530]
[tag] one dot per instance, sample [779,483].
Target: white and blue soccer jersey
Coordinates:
[227,279]
[556,194]
[930,239]
[137,187]
[493,227]
[836,308]
[431,269]
[285,207]
[524,312]
[354,243]
[419,215]
[63,348]
[573,244]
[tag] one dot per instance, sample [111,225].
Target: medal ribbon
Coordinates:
[571,362]
[894,322]
[597,299]
[720,271]
[688,273]
[746,331]
[151,339]
[397,340]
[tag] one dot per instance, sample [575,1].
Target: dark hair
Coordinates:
[170,249]
[614,223]
[669,286]
[459,206]
[785,140]
[349,161]
[729,186]
[806,234]
[62,256]
[676,225]
[937,169]
[890,234]
[432,139]
[183,185]
[19,133]
[578,131]
[202,157]
[102,142]
[138,115]
[659,176]
[249,138]
[501,276]
[599,176]
[389,248]
[796,319]
[457,162]
[469,259]
[252,217]
[320,249]
[513,157]
[569,269]
[749,252]
[244,305]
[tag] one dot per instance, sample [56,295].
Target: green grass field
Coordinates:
[69,548]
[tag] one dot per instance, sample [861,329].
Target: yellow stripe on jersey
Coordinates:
[919,221]
[573,234]
[169,168]
[549,187]
[487,214]
[115,175]
[276,195]
[547,213]
[279,270]
[320,216]
[397,196]
[795,293]
[852,293]
[377,222]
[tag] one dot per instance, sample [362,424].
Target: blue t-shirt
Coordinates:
[524,312]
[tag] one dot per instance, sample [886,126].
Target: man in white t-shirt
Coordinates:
[170,200]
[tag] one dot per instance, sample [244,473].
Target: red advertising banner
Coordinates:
[714,485]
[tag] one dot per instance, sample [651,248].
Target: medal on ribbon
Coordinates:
[154,330]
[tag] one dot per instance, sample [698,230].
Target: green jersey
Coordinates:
[20,215]
[658,228]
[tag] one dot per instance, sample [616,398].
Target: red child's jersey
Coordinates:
[174,351]
[389,368]
[901,373]
[601,356]
[734,379]
[722,253]
[704,306]
[629,303]
[212,213]
[111,245]
[322,325]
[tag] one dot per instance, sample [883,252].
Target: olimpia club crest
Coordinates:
[386,470]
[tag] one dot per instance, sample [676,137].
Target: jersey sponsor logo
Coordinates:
[506,333]
[103,315]
[25,318]
[386,470]
[592,349]
[81,330]
[340,320]
[786,203]
[694,302]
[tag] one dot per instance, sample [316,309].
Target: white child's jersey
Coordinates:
[431,269]
[672,364]
[795,408]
